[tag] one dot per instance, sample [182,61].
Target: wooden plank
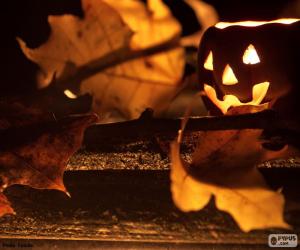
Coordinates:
[124,209]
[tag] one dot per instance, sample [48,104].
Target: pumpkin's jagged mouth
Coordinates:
[259,92]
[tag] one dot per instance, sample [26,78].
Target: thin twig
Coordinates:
[146,127]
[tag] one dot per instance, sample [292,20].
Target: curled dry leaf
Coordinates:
[108,29]
[223,166]
[37,153]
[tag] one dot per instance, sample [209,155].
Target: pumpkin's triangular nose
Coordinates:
[250,55]
[229,77]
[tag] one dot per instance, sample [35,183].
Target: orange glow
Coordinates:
[259,92]
[223,25]
[209,62]
[229,77]
[250,56]
[70,94]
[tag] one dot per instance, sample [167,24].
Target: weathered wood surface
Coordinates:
[143,155]
[127,152]
[130,209]
[151,154]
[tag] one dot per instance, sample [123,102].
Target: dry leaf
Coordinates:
[131,86]
[5,207]
[223,166]
[36,154]
[207,16]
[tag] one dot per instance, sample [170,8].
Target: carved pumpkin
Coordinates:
[251,63]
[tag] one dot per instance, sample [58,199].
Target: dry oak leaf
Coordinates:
[37,153]
[108,28]
[223,166]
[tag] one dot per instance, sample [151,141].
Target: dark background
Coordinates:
[28,19]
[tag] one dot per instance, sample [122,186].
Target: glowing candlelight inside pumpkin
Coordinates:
[259,92]
[209,62]
[228,77]
[250,56]
[223,25]
[70,94]
[239,66]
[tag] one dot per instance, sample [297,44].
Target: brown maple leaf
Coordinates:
[108,29]
[36,152]
[223,166]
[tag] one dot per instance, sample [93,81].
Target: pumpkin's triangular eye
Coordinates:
[229,77]
[250,55]
[209,62]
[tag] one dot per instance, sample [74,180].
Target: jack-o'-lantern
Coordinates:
[251,62]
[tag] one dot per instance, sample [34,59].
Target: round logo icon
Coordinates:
[273,241]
